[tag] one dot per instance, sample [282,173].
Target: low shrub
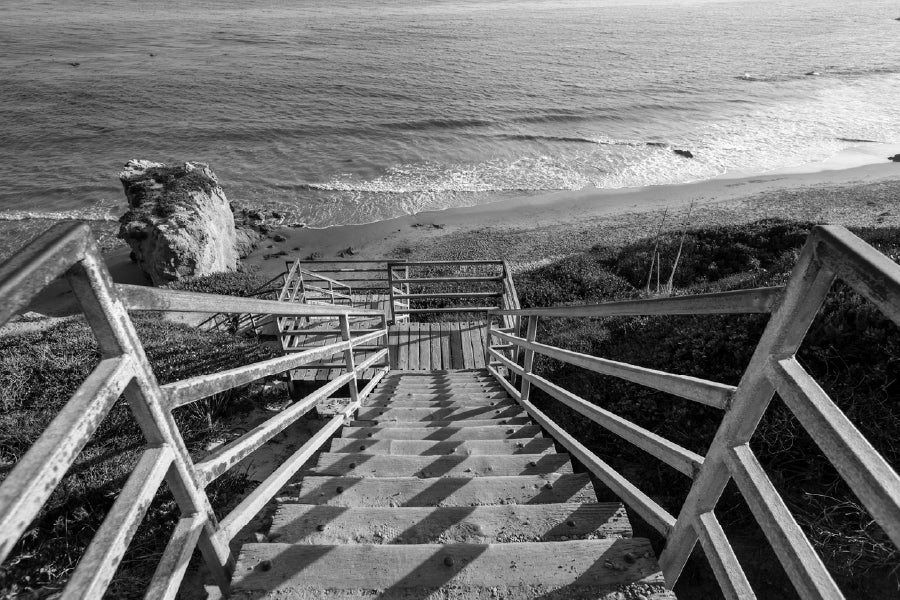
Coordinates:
[39,372]
[852,350]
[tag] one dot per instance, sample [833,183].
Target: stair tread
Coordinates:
[301,523]
[577,569]
[534,445]
[439,403]
[382,465]
[443,423]
[458,394]
[444,491]
[484,432]
[438,414]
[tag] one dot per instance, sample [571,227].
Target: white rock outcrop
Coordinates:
[179,222]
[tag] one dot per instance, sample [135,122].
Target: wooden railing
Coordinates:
[69,251]
[830,253]
[240,323]
[414,285]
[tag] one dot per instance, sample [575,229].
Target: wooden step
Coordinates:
[484,432]
[573,570]
[438,395]
[381,465]
[311,524]
[438,373]
[433,389]
[444,491]
[433,424]
[535,445]
[438,384]
[463,403]
[438,414]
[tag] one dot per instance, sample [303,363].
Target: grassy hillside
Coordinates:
[852,350]
[38,373]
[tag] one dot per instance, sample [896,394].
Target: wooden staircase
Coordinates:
[444,488]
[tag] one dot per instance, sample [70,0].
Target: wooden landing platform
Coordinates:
[413,347]
[438,346]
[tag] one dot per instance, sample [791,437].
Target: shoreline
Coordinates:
[828,195]
[534,230]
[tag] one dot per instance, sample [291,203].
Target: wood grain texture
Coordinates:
[484,432]
[445,491]
[381,465]
[520,566]
[536,445]
[444,423]
[312,524]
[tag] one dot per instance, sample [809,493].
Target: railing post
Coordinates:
[529,357]
[387,339]
[390,273]
[348,357]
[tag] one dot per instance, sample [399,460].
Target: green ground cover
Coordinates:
[852,350]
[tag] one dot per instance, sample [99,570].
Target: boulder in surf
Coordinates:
[179,223]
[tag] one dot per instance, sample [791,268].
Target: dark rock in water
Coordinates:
[179,223]
[657,144]
[74,64]
[279,238]
[684,153]
[277,215]
[813,73]
[895,158]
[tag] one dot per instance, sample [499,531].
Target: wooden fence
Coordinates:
[830,253]
[69,251]
[449,286]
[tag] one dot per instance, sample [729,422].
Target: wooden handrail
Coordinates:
[70,250]
[829,253]
[759,300]
[190,390]
[135,297]
[713,394]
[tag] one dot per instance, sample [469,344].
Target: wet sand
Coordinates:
[538,229]
[532,231]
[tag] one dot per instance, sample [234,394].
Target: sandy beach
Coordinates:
[532,231]
[528,232]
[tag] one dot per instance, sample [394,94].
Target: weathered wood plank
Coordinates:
[435,344]
[535,445]
[465,330]
[446,359]
[457,403]
[457,358]
[440,386]
[414,346]
[431,424]
[498,432]
[439,414]
[539,568]
[445,491]
[381,465]
[425,346]
[438,396]
[316,524]
[402,346]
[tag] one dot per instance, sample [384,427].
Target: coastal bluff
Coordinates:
[179,223]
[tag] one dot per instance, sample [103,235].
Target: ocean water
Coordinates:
[353,111]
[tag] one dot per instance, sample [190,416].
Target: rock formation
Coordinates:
[684,153]
[179,223]
[894,158]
